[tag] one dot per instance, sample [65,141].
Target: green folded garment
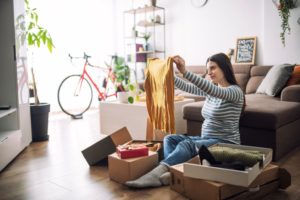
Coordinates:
[229,155]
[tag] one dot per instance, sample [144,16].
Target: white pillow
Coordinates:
[275,79]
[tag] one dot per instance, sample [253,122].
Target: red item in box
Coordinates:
[129,151]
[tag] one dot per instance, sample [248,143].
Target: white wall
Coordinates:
[274,51]
[195,33]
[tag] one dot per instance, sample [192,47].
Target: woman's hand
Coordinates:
[180,64]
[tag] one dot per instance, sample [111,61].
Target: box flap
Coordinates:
[99,150]
[270,172]
[121,136]
[122,170]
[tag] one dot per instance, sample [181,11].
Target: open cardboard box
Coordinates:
[107,144]
[193,188]
[230,176]
[122,170]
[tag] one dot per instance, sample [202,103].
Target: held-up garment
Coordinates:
[159,87]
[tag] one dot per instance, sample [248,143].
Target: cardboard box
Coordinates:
[107,144]
[230,176]
[122,170]
[132,152]
[265,183]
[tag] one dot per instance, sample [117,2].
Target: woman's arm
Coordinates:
[203,86]
[227,93]
[188,87]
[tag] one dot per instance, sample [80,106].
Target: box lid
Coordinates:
[229,176]
[105,146]
[120,136]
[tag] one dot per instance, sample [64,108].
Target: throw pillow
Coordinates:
[275,79]
[295,78]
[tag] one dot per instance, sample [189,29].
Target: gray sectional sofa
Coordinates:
[268,121]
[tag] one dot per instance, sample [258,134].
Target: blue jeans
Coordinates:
[181,148]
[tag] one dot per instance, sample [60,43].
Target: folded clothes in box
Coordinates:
[132,150]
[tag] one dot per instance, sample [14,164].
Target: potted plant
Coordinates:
[284,7]
[35,36]
[125,89]
[147,37]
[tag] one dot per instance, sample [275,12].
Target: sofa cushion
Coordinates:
[263,111]
[257,74]
[242,74]
[275,79]
[295,77]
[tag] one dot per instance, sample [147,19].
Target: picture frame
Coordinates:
[245,50]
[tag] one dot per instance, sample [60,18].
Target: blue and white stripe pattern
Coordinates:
[222,107]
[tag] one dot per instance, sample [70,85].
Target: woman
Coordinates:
[221,112]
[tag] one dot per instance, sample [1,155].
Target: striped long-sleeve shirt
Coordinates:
[222,107]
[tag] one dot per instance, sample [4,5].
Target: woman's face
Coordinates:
[215,73]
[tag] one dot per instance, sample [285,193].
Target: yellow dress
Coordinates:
[159,88]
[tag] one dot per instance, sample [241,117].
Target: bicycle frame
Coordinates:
[101,95]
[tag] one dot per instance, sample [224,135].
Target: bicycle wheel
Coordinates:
[74,95]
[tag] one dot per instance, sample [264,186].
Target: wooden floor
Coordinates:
[57,170]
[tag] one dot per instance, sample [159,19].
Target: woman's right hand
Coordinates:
[180,64]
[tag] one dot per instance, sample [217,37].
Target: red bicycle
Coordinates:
[75,93]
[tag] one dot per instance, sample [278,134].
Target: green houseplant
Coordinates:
[147,37]
[284,7]
[122,73]
[34,35]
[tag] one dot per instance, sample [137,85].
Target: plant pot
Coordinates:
[39,121]
[122,97]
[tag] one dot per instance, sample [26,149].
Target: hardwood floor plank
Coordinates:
[57,170]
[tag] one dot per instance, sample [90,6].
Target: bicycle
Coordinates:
[75,93]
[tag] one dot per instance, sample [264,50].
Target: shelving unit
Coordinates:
[145,20]
[4,113]
[15,128]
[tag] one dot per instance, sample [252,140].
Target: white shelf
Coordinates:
[144,9]
[145,23]
[4,113]
[149,52]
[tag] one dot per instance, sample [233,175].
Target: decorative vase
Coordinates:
[147,47]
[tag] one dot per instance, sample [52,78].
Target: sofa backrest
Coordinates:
[241,72]
[257,74]
[242,75]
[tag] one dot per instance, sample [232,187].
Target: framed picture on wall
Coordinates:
[245,50]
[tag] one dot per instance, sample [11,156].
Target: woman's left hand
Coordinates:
[180,64]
